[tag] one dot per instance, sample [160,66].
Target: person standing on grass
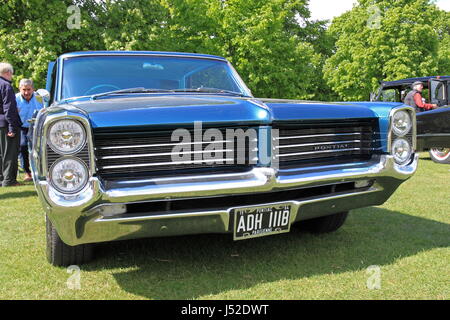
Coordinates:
[10,125]
[27,104]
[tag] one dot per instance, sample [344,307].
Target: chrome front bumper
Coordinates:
[79,219]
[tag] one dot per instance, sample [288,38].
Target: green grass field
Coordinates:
[408,238]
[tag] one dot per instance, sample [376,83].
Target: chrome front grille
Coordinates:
[131,154]
[328,143]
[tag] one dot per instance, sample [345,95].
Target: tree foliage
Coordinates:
[272,52]
[442,25]
[274,45]
[385,40]
[33,32]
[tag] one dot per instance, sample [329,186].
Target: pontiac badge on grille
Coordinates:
[332,147]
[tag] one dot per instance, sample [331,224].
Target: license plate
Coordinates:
[252,222]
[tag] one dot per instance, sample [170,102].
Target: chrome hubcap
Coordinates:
[441,153]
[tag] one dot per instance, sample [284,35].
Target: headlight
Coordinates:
[401,123]
[66,136]
[401,150]
[69,175]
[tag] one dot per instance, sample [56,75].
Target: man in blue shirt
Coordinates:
[27,103]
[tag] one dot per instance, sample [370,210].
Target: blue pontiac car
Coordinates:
[154,144]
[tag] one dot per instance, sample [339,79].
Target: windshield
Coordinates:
[91,75]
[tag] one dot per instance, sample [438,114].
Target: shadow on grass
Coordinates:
[426,158]
[197,266]
[10,193]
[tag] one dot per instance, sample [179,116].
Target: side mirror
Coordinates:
[45,95]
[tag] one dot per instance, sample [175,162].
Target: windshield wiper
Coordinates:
[210,90]
[151,90]
[129,90]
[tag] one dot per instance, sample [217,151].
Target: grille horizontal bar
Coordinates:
[315,152]
[171,153]
[212,161]
[317,144]
[164,145]
[321,135]
[154,152]
[334,142]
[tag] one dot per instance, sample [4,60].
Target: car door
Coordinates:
[433,127]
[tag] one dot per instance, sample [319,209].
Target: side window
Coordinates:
[437,90]
[426,95]
[390,95]
[53,84]
[448,93]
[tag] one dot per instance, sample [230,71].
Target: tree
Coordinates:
[382,40]
[262,39]
[442,26]
[274,61]
[34,32]
[275,54]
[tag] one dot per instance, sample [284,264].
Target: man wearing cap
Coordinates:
[414,98]
[10,125]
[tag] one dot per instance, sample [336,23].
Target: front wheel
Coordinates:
[325,224]
[62,255]
[440,155]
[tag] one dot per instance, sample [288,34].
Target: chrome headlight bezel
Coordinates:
[83,182]
[79,146]
[409,136]
[409,150]
[396,129]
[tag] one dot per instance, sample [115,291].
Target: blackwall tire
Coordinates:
[324,224]
[62,255]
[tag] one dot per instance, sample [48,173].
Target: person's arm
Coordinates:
[420,104]
[10,111]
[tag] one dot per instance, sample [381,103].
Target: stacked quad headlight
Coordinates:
[402,135]
[66,136]
[68,173]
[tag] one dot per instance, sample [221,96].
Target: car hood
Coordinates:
[173,110]
[178,110]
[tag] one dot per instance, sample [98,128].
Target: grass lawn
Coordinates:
[408,238]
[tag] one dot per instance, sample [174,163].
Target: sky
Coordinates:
[328,9]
